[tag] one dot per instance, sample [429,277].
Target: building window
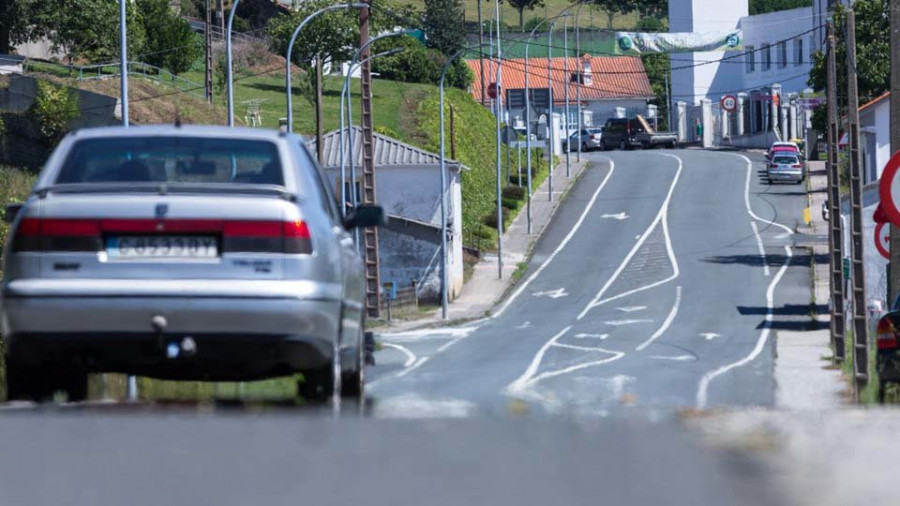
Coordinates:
[767,58]
[812,49]
[798,52]
[782,54]
[750,59]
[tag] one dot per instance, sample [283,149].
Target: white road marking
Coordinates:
[620,216]
[417,335]
[703,387]
[580,348]
[631,309]
[593,336]
[449,344]
[616,355]
[618,383]
[617,323]
[410,356]
[662,216]
[524,325]
[553,294]
[562,244]
[678,358]
[747,198]
[666,324]
[710,335]
[418,364]
[521,383]
[762,250]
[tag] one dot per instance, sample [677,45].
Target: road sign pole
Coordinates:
[835,232]
[860,321]
[894,264]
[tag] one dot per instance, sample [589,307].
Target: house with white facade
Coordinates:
[875,136]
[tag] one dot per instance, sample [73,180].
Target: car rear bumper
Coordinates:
[238,337]
[888,365]
[785,175]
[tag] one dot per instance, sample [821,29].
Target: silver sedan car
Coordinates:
[186,253]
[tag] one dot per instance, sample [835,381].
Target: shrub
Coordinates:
[54,107]
[511,204]
[418,64]
[490,219]
[514,193]
[171,43]
[532,23]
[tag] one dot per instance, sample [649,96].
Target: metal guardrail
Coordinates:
[199,25]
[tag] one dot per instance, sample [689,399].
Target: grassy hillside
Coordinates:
[590,16]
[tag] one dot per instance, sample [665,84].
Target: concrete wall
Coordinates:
[408,252]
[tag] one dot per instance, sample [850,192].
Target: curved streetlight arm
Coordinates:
[287,66]
[228,70]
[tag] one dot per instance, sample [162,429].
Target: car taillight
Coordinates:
[291,237]
[773,165]
[796,165]
[36,234]
[83,235]
[886,334]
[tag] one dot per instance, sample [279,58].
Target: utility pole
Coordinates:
[209,56]
[481,51]
[320,133]
[370,234]
[858,277]
[220,16]
[835,234]
[894,267]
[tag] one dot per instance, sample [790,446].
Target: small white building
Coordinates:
[11,64]
[408,187]
[875,136]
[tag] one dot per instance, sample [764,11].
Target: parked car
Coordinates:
[782,147]
[588,138]
[887,354]
[785,167]
[184,253]
[628,133]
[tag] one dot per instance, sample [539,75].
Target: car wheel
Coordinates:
[602,145]
[318,385]
[882,387]
[769,181]
[584,147]
[622,145]
[353,383]
[28,383]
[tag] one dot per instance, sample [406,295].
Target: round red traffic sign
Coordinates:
[883,239]
[729,103]
[492,90]
[889,189]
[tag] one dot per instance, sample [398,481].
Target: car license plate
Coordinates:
[163,246]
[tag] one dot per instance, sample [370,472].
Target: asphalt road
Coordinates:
[657,287]
[647,294]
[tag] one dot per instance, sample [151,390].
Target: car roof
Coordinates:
[184,130]
[784,144]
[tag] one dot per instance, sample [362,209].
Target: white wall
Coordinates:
[875,139]
[770,29]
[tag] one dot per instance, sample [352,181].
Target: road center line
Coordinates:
[703,387]
[660,217]
[410,356]
[666,324]
[762,249]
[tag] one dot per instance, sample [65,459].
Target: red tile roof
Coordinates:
[613,77]
[875,101]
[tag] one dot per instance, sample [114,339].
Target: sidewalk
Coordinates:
[485,288]
[801,369]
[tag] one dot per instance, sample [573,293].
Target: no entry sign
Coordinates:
[889,189]
[883,239]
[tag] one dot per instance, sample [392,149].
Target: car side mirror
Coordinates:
[365,216]
[11,211]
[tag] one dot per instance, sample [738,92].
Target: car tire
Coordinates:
[769,181]
[353,383]
[584,147]
[622,145]
[602,145]
[882,388]
[318,385]
[29,383]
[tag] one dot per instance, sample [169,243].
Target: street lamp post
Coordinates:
[123,43]
[580,75]
[287,66]
[229,77]
[499,114]
[551,147]
[566,81]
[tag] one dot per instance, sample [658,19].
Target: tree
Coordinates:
[443,25]
[89,31]
[521,5]
[873,62]
[657,67]
[54,107]
[171,43]
[645,8]
[13,23]
[764,6]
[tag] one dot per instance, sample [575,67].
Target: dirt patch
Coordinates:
[409,117]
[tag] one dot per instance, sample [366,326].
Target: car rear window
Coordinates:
[172,160]
[785,160]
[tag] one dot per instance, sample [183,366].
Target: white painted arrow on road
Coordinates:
[710,335]
[594,336]
[553,294]
[631,309]
[620,216]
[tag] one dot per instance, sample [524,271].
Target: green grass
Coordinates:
[265,390]
[519,272]
[15,185]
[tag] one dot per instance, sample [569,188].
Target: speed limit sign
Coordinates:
[889,189]
[883,239]
[729,103]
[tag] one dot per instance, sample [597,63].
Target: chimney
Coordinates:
[587,78]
